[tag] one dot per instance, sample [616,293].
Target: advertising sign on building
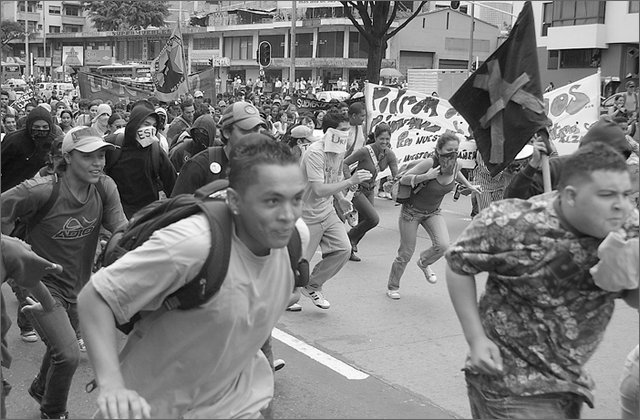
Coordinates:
[98,57]
[73,56]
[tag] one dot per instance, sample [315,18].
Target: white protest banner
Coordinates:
[572,109]
[416,120]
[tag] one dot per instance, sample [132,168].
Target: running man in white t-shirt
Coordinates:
[204,362]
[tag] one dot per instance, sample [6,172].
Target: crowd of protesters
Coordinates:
[103,162]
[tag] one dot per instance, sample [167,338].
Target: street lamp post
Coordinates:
[473,24]
[292,50]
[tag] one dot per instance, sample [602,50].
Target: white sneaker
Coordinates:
[317,298]
[295,307]
[278,364]
[393,294]
[428,273]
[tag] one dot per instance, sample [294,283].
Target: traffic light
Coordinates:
[264,53]
[455,5]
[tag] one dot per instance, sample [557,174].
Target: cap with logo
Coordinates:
[198,94]
[243,114]
[83,139]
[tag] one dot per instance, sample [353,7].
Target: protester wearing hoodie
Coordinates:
[24,151]
[132,167]
[200,136]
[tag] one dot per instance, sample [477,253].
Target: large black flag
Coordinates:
[502,100]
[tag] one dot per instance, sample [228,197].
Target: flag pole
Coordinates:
[184,59]
[544,162]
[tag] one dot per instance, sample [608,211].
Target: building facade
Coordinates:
[575,38]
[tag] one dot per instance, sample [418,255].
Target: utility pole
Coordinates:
[44,38]
[292,50]
[473,24]
[27,59]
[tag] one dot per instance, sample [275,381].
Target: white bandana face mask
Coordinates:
[146,136]
[335,141]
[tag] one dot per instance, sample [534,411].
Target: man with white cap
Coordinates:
[64,213]
[198,98]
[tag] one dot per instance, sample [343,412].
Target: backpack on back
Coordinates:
[206,284]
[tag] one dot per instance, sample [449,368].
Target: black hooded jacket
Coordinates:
[133,171]
[22,157]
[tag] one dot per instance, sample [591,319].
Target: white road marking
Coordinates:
[319,356]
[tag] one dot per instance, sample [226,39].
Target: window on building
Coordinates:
[72,10]
[634,6]
[211,43]
[71,28]
[54,29]
[21,6]
[330,44]
[552,60]
[55,10]
[578,12]
[580,58]
[547,18]
[304,45]
[238,47]
[277,44]
[32,6]
[358,46]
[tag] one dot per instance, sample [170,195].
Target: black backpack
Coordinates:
[206,284]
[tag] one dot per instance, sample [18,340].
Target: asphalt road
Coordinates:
[404,357]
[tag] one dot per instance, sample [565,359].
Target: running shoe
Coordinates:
[317,298]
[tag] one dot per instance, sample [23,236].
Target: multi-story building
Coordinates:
[575,38]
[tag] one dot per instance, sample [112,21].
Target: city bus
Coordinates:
[132,72]
[10,71]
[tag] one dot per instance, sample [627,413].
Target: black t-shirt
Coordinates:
[205,167]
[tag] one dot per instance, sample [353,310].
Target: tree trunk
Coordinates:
[376,54]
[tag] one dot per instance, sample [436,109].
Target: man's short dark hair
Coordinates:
[4,92]
[256,149]
[356,108]
[591,157]
[185,104]
[332,119]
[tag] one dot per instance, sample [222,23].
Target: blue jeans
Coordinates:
[410,219]
[60,359]
[559,405]
[367,215]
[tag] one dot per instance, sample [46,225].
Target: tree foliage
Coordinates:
[10,30]
[120,15]
[377,17]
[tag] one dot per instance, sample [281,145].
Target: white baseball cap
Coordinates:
[84,139]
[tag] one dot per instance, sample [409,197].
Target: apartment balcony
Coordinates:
[73,20]
[577,37]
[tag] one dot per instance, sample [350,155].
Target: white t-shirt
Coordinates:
[204,362]
[318,166]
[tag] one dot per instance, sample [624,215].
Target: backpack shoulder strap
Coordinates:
[44,210]
[155,158]
[374,159]
[214,270]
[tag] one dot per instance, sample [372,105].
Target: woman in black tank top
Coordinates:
[431,180]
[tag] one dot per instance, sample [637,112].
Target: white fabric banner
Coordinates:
[572,109]
[416,120]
